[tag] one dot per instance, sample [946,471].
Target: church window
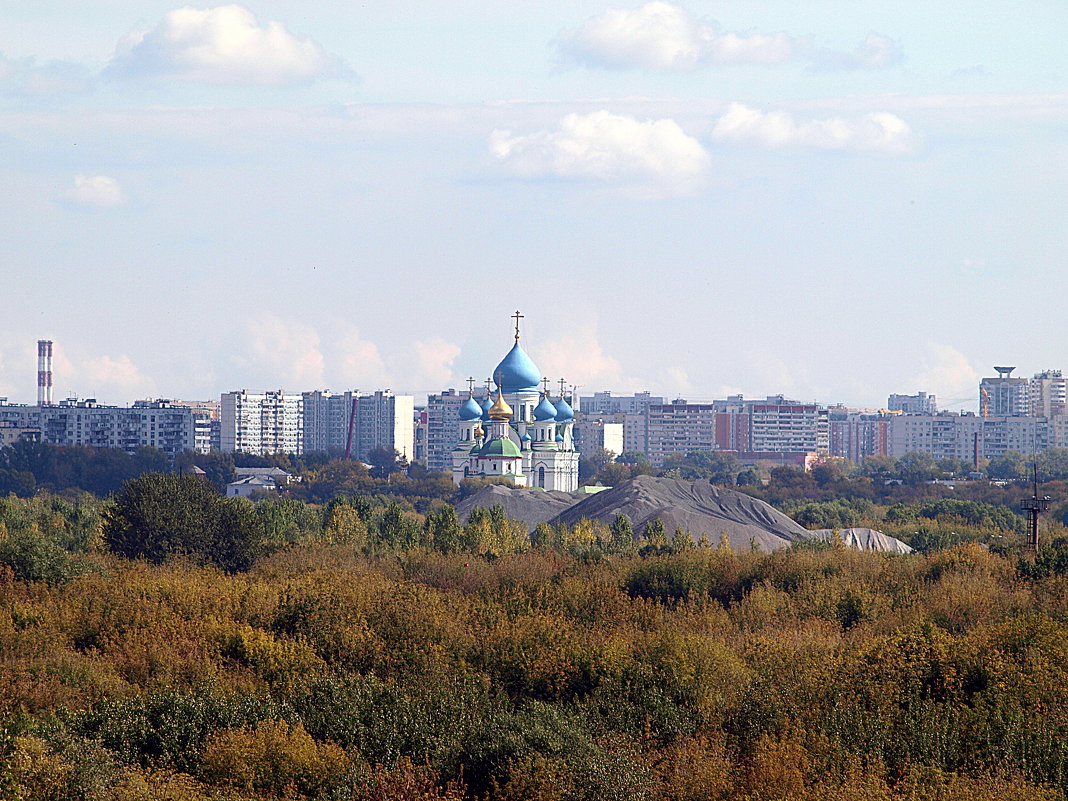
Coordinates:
[541,477]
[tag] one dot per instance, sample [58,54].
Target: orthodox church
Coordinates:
[523,435]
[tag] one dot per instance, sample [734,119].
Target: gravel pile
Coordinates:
[693,506]
[530,506]
[863,539]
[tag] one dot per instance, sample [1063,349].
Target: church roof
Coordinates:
[517,372]
[544,410]
[501,448]
[470,410]
[564,412]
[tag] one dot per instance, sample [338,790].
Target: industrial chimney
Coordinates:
[44,372]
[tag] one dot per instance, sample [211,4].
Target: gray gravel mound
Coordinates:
[693,506]
[863,539]
[530,506]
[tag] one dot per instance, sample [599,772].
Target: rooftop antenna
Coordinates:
[1035,505]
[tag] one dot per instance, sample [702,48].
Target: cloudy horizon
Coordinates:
[831,201]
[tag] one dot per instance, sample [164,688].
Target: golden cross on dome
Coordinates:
[500,375]
[562,382]
[517,317]
[470,386]
[545,384]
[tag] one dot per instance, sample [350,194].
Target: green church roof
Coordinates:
[501,448]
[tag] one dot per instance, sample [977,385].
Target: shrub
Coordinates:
[273,757]
[160,515]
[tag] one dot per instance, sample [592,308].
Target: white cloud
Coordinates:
[946,372]
[877,131]
[605,147]
[100,191]
[434,360]
[223,45]
[357,363]
[25,77]
[108,378]
[876,51]
[280,353]
[580,358]
[665,36]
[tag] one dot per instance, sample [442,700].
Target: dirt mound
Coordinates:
[530,506]
[693,506]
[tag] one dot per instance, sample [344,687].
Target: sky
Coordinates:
[832,199]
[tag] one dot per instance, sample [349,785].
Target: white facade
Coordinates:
[260,424]
[593,434]
[962,436]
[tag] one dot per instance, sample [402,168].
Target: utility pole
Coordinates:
[1034,506]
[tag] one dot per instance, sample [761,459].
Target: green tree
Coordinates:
[1010,466]
[443,530]
[916,467]
[718,467]
[593,462]
[1053,464]
[384,461]
[163,514]
[623,535]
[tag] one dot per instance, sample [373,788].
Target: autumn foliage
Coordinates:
[372,653]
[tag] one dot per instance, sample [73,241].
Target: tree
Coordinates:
[623,535]
[383,461]
[443,530]
[162,514]
[1010,466]
[1053,464]
[593,462]
[718,467]
[916,467]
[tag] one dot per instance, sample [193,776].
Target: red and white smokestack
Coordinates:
[44,372]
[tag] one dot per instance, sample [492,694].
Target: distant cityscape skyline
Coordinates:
[964,403]
[831,201]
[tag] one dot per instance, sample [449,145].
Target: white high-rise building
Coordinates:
[1048,393]
[359,423]
[272,422]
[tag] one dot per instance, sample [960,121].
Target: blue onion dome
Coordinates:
[564,412]
[516,372]
[526,436]
[544,411]
[470,410]
[559,437]
[487,404]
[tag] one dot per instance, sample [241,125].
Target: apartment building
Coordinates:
[74,421]
[678,428]
[271,422]
[920,403]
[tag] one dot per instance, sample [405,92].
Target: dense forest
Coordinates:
[168,643]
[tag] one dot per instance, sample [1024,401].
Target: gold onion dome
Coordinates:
[500,410]
[478,432]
